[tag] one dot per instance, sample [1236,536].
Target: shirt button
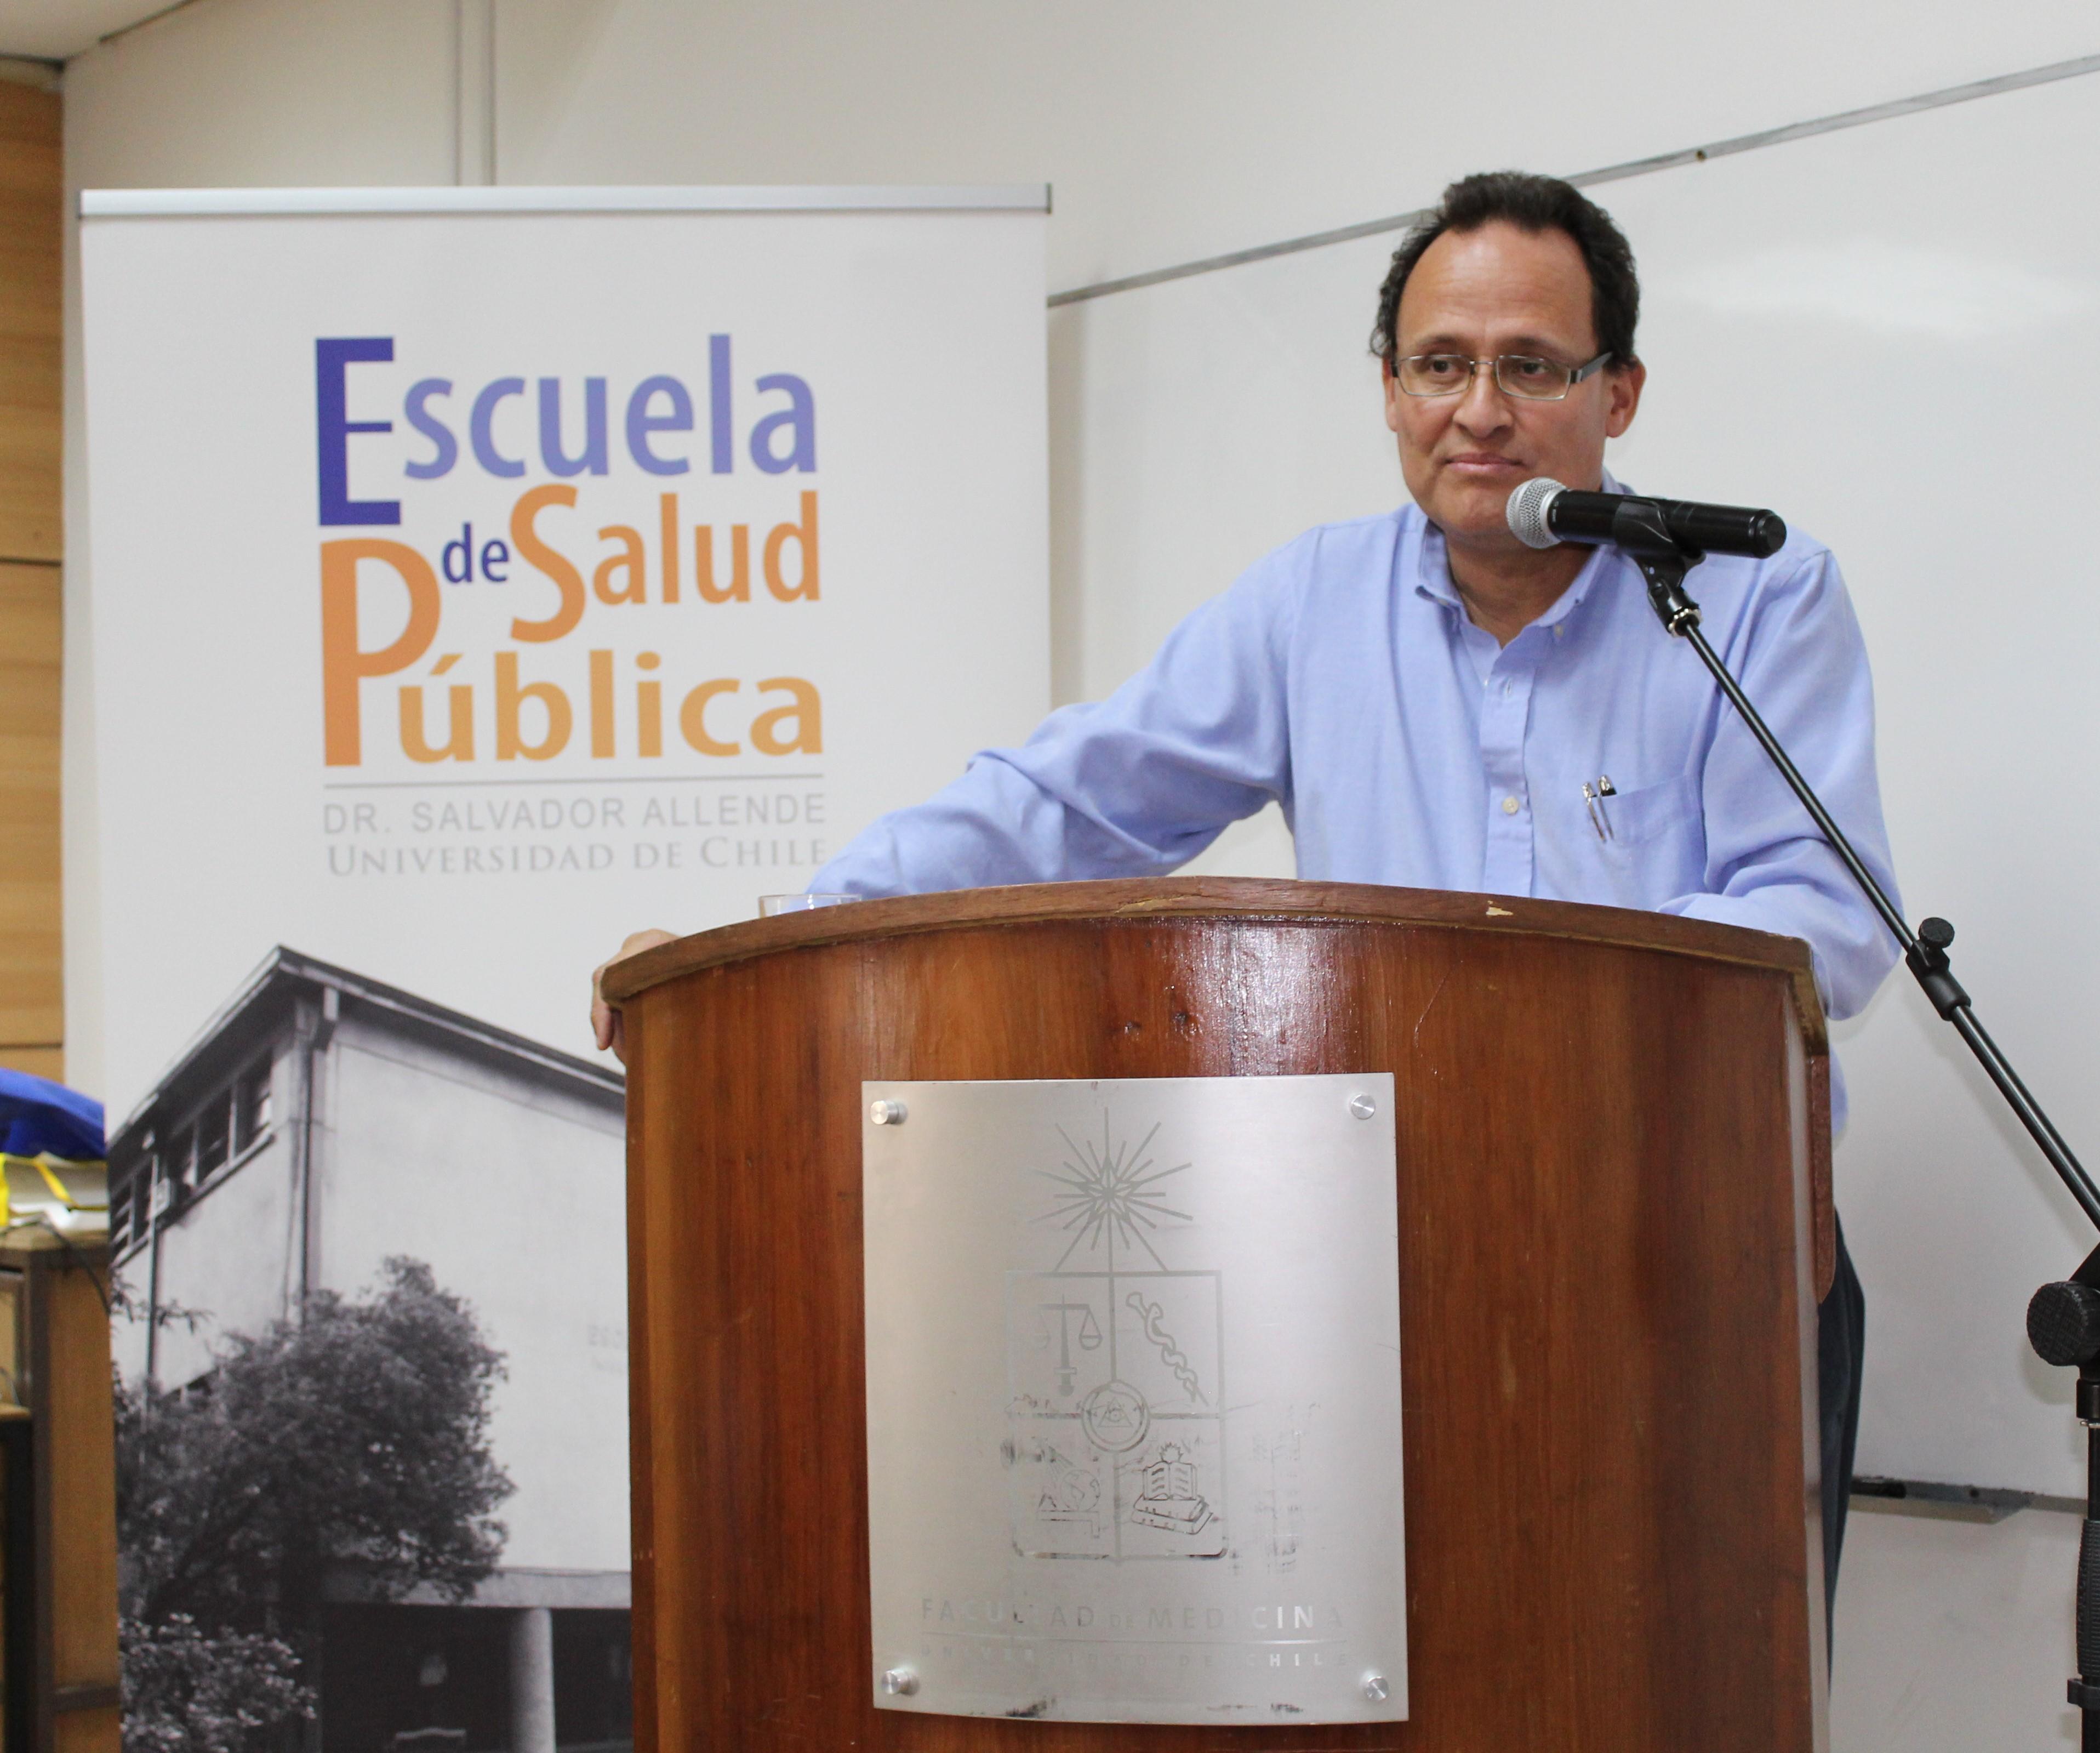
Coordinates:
[1511,806]
[1506,688]
[1558,628]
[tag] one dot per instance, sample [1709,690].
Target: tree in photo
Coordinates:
[354,1437]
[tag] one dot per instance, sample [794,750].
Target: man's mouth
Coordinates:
[1482,464]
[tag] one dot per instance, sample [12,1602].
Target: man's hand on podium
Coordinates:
[606,1023]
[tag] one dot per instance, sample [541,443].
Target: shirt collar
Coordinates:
[1432,569]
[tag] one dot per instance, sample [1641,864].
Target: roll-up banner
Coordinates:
[478,576]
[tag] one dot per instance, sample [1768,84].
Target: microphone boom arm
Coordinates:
[1663,564]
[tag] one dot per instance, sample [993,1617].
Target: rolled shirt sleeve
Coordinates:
[1134,786]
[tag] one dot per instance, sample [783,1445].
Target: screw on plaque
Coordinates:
[1375,1688]
[899,1682]
[1362,1107]
[886,1113]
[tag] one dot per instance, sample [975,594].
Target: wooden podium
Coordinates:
[1613,1132]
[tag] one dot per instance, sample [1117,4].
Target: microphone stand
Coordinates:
[2063,1319]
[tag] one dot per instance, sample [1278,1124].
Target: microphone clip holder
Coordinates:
[1638,529]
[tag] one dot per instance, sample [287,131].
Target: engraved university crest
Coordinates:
[1115,1365]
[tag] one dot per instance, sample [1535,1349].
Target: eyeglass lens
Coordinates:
[1518,374]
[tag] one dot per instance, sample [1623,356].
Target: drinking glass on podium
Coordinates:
[770,906]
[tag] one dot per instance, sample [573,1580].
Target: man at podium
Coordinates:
[1434,704]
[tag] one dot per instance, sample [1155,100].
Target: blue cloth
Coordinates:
[40,1115]
[1341,677]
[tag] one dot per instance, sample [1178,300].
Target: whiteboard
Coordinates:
[1886,334]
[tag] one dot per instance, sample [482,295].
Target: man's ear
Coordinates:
[1623,389]
[1391,392]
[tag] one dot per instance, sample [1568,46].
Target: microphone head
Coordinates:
[1527,509]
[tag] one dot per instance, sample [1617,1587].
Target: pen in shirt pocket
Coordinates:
[1593,800]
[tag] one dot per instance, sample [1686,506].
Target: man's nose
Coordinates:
[1482,407]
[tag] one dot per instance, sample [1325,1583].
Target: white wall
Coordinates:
[1954,1635]
[1171,128]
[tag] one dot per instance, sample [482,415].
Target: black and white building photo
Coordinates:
[372,1356]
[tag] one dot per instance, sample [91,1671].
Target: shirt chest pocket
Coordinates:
[1669,811]
[1640,847]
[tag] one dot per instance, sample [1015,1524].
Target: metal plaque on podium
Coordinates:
[1133,1391]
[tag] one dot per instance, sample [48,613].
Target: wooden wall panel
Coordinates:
[72,1689]
[31,192]
[75,1402]
[32,998]
[87,1732]
[38,1062]
[32,995]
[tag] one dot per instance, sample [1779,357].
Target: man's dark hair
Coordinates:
[1531,204]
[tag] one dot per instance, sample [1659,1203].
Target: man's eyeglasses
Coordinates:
[1522,375]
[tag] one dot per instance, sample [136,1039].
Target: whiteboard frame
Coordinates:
[816,197]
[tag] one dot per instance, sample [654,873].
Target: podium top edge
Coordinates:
[1128,900]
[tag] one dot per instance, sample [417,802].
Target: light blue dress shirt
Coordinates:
[1341,678]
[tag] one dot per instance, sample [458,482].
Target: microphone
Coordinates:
[1542,512]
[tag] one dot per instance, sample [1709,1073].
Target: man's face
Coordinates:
[1482,294]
